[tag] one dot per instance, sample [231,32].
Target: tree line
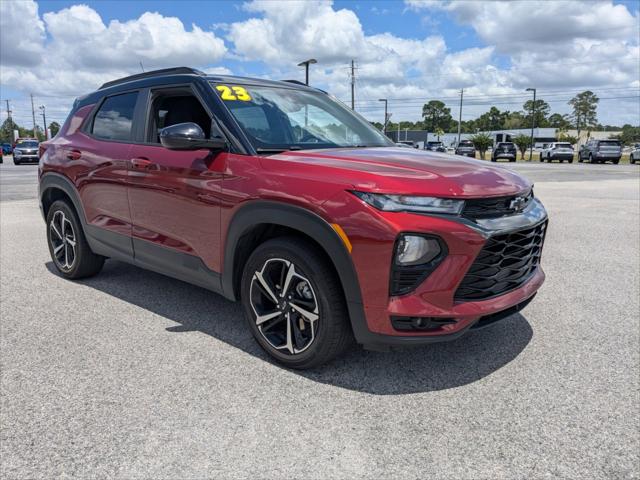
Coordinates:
[8,126]
[436,117]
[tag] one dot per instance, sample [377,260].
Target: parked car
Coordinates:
[23,139]
[560,151]
[7,149]
[255,190]
[435,147]
[504,150]
[634,155]
[466,148]
[601,151]
[26,151]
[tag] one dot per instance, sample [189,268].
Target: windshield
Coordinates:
[610,143]
[464,143]
[564,145]
[27,144]
[280,118]
[505,144]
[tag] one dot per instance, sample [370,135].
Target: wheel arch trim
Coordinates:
[297,218]
[52,180]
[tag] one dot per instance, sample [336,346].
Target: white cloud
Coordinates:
[82,52]
[551,45]
[155,40]
[296,30]
[21,33]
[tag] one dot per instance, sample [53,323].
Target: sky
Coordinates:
[409,51]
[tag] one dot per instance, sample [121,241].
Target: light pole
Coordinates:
[44,121]
[533,120]
[384,125]
[306,64]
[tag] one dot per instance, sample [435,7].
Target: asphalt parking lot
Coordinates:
[134,375]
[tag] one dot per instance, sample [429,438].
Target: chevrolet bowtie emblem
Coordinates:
[517,204]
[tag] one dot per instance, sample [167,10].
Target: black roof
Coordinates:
[215,78]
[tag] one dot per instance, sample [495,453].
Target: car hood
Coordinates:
[401,170]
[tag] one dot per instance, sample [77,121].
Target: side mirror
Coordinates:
[188,136]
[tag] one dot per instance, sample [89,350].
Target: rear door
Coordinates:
[610,148]
[174,196]
[101,155]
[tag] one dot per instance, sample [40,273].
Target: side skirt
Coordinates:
[149,256]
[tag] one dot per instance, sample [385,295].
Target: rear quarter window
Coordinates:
[114,118]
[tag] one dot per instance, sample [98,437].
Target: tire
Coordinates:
[570,160]
[73,261]
[493,159]
[616,161]
[295,339]
[579,158]
[16,162]
[590,158]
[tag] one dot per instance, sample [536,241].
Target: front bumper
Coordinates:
[434,298]
[505,155]
[27,158]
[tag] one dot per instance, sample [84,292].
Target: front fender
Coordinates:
[267,212]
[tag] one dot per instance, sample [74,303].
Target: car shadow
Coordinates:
[432,367]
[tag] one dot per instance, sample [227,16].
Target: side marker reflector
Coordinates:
[343,236]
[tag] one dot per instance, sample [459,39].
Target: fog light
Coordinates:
[416,250]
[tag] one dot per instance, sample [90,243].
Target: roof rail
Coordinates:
[153,73]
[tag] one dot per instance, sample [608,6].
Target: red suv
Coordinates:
[277,195]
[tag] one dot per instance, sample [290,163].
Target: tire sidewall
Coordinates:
[308,269]
[77,230]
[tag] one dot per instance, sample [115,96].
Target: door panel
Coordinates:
[103,189]
[174,198]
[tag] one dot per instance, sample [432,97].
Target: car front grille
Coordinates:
[505,263]
[495,207]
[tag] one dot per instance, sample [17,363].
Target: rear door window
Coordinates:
[114,119]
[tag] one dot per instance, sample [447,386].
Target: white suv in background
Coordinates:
[560,151]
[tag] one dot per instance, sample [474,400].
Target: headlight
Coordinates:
[406,203]
[416,250]
[17,152]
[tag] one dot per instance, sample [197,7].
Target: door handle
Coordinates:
[140,163]
[74,155]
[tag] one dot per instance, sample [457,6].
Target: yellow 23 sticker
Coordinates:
[233,93]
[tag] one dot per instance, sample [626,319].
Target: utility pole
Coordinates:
[44,122]
[8,110]
[384,125]
[460,115]
[533,120]
[353,85]
[33,114]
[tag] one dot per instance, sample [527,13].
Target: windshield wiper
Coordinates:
[276,150]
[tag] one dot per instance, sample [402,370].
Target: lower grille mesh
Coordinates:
[505,263]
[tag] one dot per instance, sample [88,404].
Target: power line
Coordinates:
[449,104]
[548,93]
